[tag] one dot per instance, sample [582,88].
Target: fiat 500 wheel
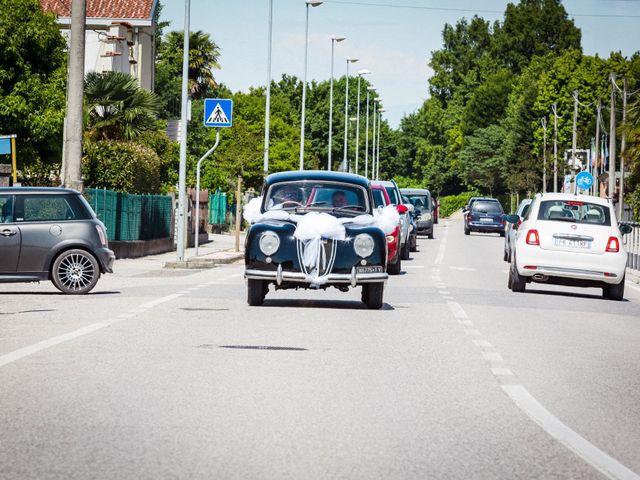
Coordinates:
[75,272]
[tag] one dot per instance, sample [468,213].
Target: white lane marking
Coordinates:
[443,246]
[633,286]
[466,323]
[492,357]
[447,297]
[203,285]
[457,310]
[482,344]
[502,372]
[161,300]
[591,454]
[37,347]
[472,332]
[463,269]
[126,315]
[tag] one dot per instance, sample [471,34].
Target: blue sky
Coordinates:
[394,41]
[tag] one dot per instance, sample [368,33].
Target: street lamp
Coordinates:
[366,141]
[308,3]
[373,140]
[380,111]
[265,163]
[334,39]
[346,115]
[360,73]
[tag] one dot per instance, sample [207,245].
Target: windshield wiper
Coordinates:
[349,208]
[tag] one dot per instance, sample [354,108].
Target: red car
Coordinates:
[381,199]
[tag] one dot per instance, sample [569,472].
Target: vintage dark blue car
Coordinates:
[315,229]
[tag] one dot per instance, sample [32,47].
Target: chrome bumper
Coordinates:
[280,276]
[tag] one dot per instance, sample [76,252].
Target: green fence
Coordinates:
[217,208]
[132,217]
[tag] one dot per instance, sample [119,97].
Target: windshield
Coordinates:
[393,196]
[574,211]
[299,197]
[420,201]
[379,199]
[487,207]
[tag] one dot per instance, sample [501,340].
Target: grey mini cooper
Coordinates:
[51,234]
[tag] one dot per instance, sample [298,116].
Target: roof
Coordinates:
[113,9]
[31,190]
[573,196]
[319,175]
[415,191]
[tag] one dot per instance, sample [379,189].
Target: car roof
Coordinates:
[319,175]
[415,191]
[574,197]
[384,183]
[40,190]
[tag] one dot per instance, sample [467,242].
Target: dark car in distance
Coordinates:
[51,234]
[315,229]
[424,209]
[485,215]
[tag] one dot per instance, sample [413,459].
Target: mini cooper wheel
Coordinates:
[372,294]
[75,272]
[256,291]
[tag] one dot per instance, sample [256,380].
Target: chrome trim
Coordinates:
[353,277]
[299,277]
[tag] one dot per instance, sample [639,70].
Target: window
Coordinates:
[378,198]
[487,207]
[6,209]
[575,211]
[310,195]
[393,195]
[50,208]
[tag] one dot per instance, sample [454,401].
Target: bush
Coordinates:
[121,166]
[451,203]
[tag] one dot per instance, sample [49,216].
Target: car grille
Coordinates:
[317,256]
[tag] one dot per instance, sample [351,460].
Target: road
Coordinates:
[169,374]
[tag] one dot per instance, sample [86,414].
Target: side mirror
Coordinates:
[625,228]
[512,219]
[402,209]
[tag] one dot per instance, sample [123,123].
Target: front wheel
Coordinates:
[404,251]
[75,272]
[467,231]
[256,291]
[372,294]
[395,267]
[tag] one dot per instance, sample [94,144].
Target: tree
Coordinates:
[482,163]
[32,84]
[119,109]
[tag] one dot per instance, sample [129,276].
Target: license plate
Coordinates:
[486,220]
[369,269]
[567,242]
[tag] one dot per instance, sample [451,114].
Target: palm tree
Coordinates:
[118,108]
[203,59]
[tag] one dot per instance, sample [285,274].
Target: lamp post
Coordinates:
[265,163]
[360,73]
[334,39]
[380,111]
[373,140]
[346,116]
[308,3]
[366,141]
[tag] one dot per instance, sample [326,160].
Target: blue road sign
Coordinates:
[218,112]
[584,180]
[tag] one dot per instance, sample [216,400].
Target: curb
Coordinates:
[633,276]
[202,263]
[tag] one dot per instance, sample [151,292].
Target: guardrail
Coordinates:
[631,244]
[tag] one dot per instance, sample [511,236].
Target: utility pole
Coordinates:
[622,148]
[574,139]
[544,156]
[267,113]
[554,107]
[597,166]
[72,160]
[612,140]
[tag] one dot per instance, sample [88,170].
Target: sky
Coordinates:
[392,38]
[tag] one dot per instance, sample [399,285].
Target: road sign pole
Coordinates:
[198,189]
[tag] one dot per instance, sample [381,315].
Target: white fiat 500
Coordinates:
[573,240]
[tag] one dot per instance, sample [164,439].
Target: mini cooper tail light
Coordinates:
[103,236]
[269,243]
[363,245]
[613,245]
[533,238]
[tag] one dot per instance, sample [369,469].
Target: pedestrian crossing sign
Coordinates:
[218,112]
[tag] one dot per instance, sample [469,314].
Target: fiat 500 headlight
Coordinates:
[363,245]
[269,242]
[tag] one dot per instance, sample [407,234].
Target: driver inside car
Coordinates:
[339,199]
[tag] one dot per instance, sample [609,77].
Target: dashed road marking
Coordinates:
[463,269]
[502,372]
[492,357]
[472,332]
[457,310]
[482,344]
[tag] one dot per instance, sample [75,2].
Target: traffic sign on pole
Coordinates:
[218,112]
[584,180]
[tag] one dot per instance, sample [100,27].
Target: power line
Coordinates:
[466,10]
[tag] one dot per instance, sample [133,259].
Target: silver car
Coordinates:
[511,228]
[51,234]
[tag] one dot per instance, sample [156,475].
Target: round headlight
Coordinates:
[363,245]
[426,216]
[269,242]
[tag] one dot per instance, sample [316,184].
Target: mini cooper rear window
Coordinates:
[574,211]
[313,195]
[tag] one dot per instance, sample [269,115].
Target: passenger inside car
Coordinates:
[339,199]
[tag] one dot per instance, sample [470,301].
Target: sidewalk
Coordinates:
[219,250]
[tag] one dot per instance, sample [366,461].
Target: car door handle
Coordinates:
[8,233]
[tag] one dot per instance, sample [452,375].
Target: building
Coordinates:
[120,35]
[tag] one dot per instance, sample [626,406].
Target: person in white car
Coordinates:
[572,240]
